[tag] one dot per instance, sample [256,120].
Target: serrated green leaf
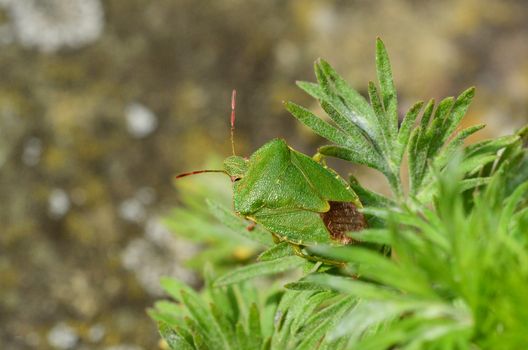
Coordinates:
[473,164]
[491,146]
[406,127]
[378,236]
[427,114]
[372,160]
[450,149]
[259,269]
[387,89]
[231,220]
[345,100]
[311,89]
[225,325]
[279,250]
[174,287]
[510,204]
[221,298]
[354,99]
[162,313]
[242,337]
[173,339]
[415,162]
[383,120]
[354,287]
[357,137]
[254,328]
[428,191]
[207,324]
[458,111]
[200,338]
[435,132]
[266,345]
[373,265]
[324,320]
[305,285]
[369,314]
[369,198]
[313,302]
[319,126]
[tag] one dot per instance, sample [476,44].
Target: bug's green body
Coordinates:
[288,193]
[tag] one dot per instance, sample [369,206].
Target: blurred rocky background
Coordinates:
[102,101]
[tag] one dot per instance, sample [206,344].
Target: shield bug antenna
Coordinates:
[179,176]
[233,106]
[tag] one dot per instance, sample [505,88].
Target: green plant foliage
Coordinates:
[369,134]
[457,279]
[453,273]
[243,317]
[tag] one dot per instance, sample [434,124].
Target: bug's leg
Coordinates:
[298,251]
[319,158]
[276,239]
[251,226]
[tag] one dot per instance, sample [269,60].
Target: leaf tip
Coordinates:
[380,45]
[470,92]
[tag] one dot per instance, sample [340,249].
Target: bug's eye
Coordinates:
[237,179]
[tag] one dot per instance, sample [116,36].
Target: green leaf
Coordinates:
[354,100]
[473,164]
[450,149]
[387,89]
[372,160]
[319,126]
[427,114]
[356,135]
[427,192]
[165,312]
[369,198]
[200,338]
[375,266]
[319,324]
[345,100]
[174,287]
[204,320]
[382,118]
[254,327]
[458,111]
[435,131]
[354,287]
[415,163]
[231,220]
[406,127]
[173,339]
[510,204]
[311,89]
[277,251]
[242,337]
[378,236]
[312,302]
[305,286]
[259,269]
[491,146]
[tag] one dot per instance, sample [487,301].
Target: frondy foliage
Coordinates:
[443,266]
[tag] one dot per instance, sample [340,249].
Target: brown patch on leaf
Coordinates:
[343,217]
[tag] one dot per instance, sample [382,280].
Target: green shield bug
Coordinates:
[296,198]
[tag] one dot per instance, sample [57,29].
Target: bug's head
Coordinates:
[236,167]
